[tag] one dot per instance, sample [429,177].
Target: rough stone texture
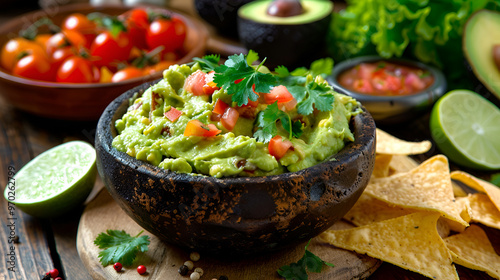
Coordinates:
[235,215]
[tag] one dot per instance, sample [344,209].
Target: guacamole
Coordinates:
[179,124]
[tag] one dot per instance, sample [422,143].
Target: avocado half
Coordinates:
[481,34]
[289,41]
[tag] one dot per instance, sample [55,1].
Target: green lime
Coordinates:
[466,128]
[55,181]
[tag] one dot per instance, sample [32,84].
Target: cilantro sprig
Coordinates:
[119,246]
[267,123]
[298,271]
[242,80]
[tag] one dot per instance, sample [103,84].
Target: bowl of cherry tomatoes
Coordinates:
[72,61]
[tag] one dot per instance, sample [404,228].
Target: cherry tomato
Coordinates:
[169,33]
[13,50]
[229,118]
[80,23]
[66,38]
[60,55]
[127,73]
[197,128]
[34,66]
[278,147]
[77,69]
[42,40]
[137,23]
[107,49]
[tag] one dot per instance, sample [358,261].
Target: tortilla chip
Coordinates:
[400,164]
[482,210]
[390,145]
[369,210]
[411,242]
[381,168]
[473,249]
[427,187]
[491,190]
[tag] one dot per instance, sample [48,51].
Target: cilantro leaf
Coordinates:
[266,121]
[298,271]
[119,246]
[313,95]
[251,57]
[208,62]
[238,79]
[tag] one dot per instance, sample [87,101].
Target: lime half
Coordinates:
[466,128]
[55,181]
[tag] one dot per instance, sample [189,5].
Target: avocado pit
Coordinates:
[285,8]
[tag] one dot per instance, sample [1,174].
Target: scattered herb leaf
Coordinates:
[208,62]
[237,68]
[119,246]
[298,271]
[266,121]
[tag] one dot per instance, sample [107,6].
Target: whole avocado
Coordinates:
[221,14]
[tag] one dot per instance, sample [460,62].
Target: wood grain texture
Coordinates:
[163,260]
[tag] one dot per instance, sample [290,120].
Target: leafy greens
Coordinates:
[429,31]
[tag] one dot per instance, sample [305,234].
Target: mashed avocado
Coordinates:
[148,132]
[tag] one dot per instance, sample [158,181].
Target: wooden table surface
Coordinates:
[51,243]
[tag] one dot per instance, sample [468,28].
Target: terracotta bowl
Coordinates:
[393,109]
[78,101]
[234,216]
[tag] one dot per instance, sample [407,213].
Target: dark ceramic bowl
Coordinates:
[234,215]
[79,101]
[392,109]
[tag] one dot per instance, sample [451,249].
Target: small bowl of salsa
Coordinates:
[393,90]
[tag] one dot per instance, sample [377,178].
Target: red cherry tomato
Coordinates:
[169,33]
[60,55]
[127,73]
[34,66]
[137,24]
[77,69]
[107,49]
[278,147]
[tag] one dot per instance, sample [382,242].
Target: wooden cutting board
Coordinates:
[163,260]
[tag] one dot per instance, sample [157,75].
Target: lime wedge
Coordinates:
[466,128]
[55,181]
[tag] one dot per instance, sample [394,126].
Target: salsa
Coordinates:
[384,78]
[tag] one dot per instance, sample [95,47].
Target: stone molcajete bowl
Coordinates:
[234,216]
